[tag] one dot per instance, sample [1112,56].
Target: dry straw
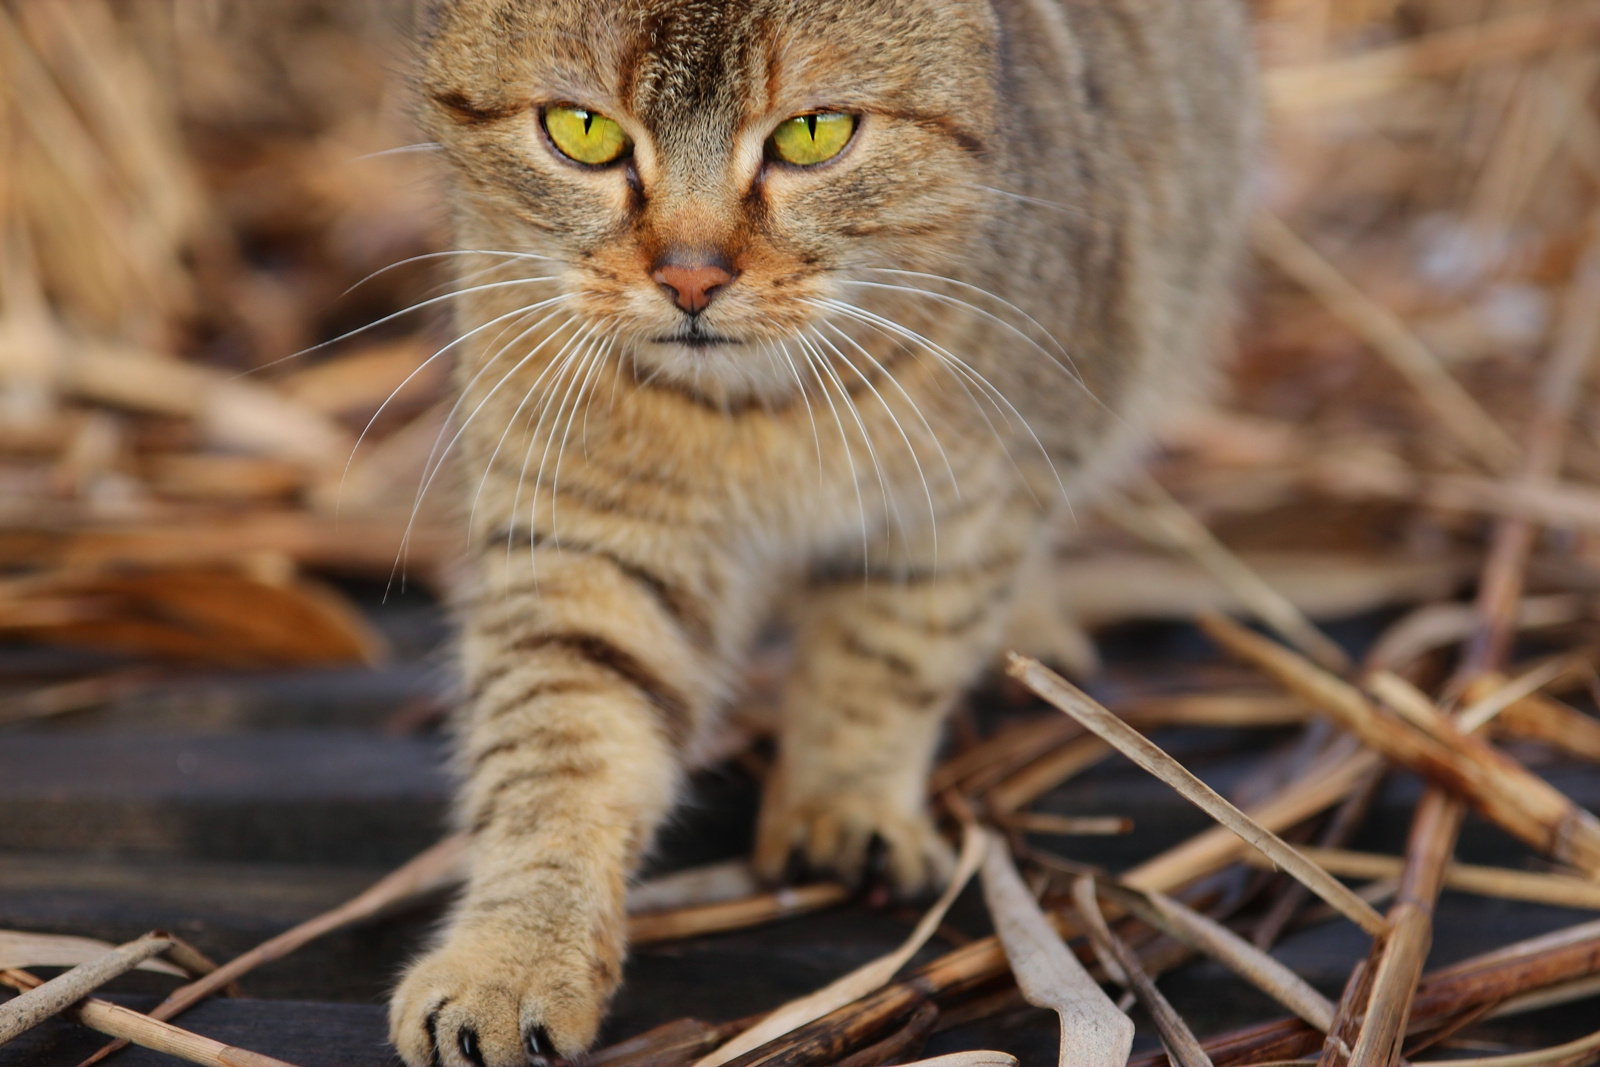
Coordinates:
[130,1027]
[863,980]
[1147,755]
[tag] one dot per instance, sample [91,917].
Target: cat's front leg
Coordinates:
[881,660]
[585,681]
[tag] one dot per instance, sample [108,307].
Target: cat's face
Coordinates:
[706,175]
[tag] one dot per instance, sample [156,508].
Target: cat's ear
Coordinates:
[425,17]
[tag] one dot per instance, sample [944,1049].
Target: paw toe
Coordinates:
[464,1009]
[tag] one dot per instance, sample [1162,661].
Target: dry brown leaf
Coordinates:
[1120,961]
[1094,1031]
[208,615]
[976,1058]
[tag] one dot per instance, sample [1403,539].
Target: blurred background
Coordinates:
[223,656]
[192,192]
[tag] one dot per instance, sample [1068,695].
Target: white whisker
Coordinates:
[890,503]
[916,409]
[429,470]
[526,396]
[359,330]
[1034,200]
[595,360]
[578,361]
[399,150]
[805,397]
[557,369]
[850,459]
[933,512]
[1070,366]
[958,364]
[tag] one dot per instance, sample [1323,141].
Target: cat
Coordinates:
[833,304]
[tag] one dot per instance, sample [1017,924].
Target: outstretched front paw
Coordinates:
[495,996]
[833,830]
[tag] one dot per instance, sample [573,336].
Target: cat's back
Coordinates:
[1130,137]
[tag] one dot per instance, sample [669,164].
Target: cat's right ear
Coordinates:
[425,17]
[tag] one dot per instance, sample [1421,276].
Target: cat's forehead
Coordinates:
[663,60]
[687,56]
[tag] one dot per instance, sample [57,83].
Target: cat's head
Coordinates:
[705,175]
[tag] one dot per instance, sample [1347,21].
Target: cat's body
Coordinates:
[1023,251]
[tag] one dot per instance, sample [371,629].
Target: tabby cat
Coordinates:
[834,305]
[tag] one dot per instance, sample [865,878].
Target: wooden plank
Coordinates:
[294,796]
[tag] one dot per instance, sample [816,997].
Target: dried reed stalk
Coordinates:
[1495,785]
[1212,849]
[1398,959]
[863,980]
[1377,71]
[1094,1032]
[1067,825]
[1438,817]
[1044,774]
[1011,747]
[22,949]
[1181,1044]
[36,1005]
[671,1044]
[1165,522]
[829,1038]
[1571,1054]
[1434,626]
[1213,709]
[1557,890]
[130,1027]
[1538,718]
[1492,694]
[1548,962]
[698,920]
[893,1047]
[428,871]
[1057,691]
[714,883]
[1389,336]
[1344,823]
[1223,945]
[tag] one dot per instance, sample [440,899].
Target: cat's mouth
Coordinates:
[697,339]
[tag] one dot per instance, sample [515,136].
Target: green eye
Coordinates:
[585,136]
[806,140]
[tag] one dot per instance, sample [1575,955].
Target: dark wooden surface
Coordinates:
[229,808]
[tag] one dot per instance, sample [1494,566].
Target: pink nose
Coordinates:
[691,285]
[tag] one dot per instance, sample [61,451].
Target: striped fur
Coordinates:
[968,318]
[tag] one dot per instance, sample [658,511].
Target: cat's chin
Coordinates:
[721,370]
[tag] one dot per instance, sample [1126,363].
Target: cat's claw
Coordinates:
[477,1001]
[835,833]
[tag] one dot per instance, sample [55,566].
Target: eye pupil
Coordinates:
[812,138]
[585,136]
